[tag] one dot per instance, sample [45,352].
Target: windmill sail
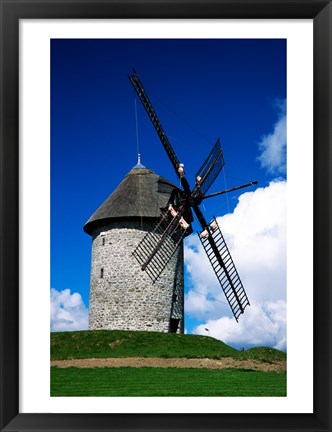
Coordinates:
[158,246]
[138,86]
[210,169]
[224,268]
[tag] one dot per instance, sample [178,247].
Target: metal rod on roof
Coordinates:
[137,143]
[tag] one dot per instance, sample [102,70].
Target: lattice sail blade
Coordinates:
[158,246]
[224,268]
[210,169]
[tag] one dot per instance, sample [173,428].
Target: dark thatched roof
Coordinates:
[142,193]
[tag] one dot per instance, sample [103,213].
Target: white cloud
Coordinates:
[256,236]
[273,146]
[262,325]
[68,312]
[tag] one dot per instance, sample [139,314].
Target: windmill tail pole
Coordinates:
[230,190]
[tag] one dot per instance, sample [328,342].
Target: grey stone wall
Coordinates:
[122,296]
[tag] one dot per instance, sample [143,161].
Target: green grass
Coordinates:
[117,343]
[128,381]
[165,382]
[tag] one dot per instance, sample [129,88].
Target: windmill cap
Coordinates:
[142,193]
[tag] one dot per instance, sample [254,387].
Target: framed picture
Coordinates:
[25,223]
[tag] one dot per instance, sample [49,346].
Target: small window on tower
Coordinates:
[101,273]
[103,241]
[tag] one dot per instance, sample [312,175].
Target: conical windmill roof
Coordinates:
[142,193]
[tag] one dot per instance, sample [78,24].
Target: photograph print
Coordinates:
[168,217]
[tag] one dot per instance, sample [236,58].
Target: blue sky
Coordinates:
[201,90]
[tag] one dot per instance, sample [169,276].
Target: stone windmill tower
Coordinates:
[122,296]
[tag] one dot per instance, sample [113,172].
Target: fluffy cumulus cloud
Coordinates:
[262,325]
[256,236]
[68,312]
[273,145]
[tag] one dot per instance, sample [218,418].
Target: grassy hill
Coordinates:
[158,381]
[118,343]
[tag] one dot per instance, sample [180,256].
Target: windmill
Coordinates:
[158,246]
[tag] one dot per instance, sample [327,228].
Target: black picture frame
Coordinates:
[11,12]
